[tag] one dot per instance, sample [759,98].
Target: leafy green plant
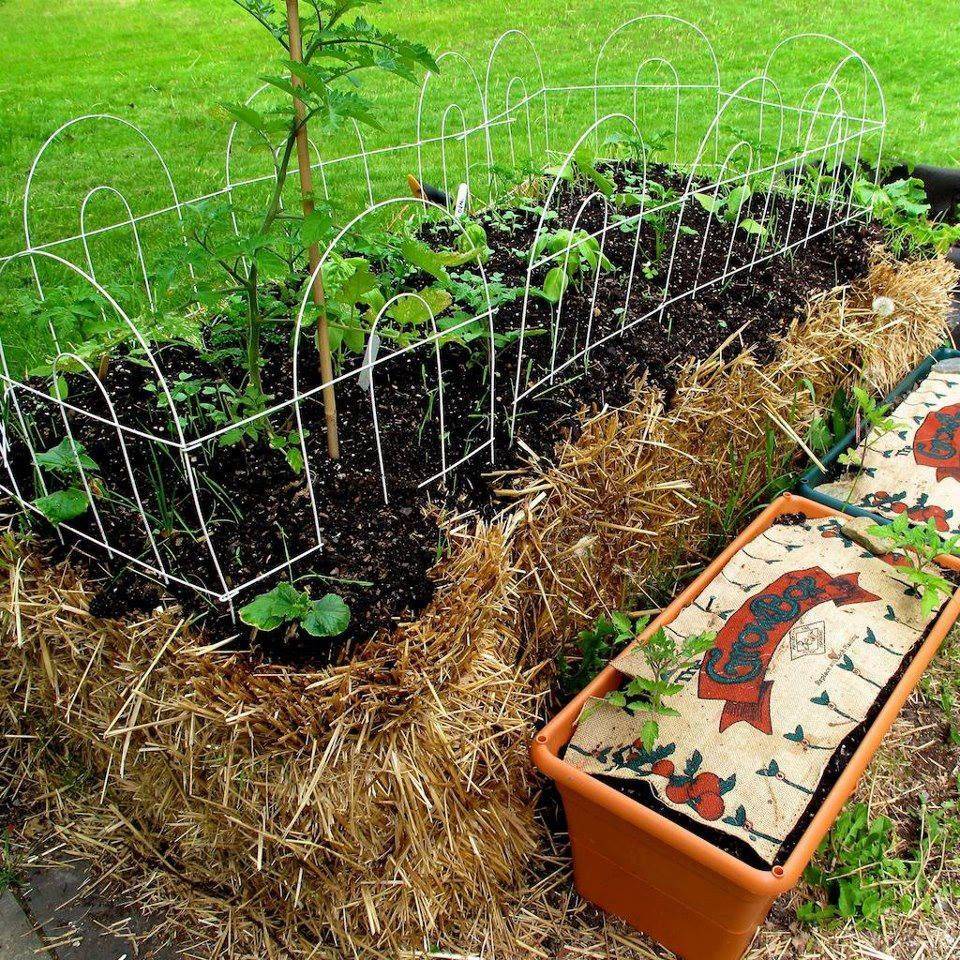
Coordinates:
[64,463]
[834,424]
[921,544]
[596,646]
[285,604]
[665,658]
[727,206]
[579,252]
[902,208]
[583,166]
[874,416]
[857,873]
[323,89]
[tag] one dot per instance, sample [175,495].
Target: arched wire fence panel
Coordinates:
[451,127]
[134,229]
[847,73]
[735,195]
[677,185]
[517,100]
[113,506]
[649,78]
[583,256]
[563,257]
[171,215]
[658,65]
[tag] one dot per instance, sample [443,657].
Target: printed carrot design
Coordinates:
[823,700]
[847,664]
[871,638]
[798,736]
[774,772]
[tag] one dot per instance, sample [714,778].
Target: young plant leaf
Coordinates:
[63,505]
[65,460]
[328,617]
[554,284]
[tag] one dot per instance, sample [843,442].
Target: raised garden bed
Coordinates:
[649,867]
[377,555]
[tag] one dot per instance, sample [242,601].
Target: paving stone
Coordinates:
[18,940]
[83,924]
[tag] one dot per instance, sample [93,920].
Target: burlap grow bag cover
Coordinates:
[913,468]
[810,626]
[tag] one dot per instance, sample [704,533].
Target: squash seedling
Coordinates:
[579,252]
[64,462]
[728,208]
[285,604]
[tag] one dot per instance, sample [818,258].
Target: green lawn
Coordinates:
[167,63]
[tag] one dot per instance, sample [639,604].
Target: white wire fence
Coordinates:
[774,162]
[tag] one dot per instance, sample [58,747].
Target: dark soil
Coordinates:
[375,555]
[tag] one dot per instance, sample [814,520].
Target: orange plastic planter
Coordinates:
[692,897]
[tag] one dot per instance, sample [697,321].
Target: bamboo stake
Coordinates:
[306,190]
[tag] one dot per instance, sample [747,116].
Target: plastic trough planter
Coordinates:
[815,477]
[650,871]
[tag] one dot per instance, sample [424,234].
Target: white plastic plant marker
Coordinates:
[369,359]
[463,198]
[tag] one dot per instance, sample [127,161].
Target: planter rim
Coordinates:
[774,881]
[813,477]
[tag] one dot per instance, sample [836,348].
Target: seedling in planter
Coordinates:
[65,462]
[666,659]
[580,253]
[285,604]
[921,544]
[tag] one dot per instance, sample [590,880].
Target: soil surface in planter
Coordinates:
[378,555]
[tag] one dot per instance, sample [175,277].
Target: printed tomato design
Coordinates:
[703,791]
[920,512]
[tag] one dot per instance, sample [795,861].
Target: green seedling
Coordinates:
[64,463]
[596,646]
[904,211]
[578,252]
[285,604]
[876,418]
[921,544]
[666,658]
